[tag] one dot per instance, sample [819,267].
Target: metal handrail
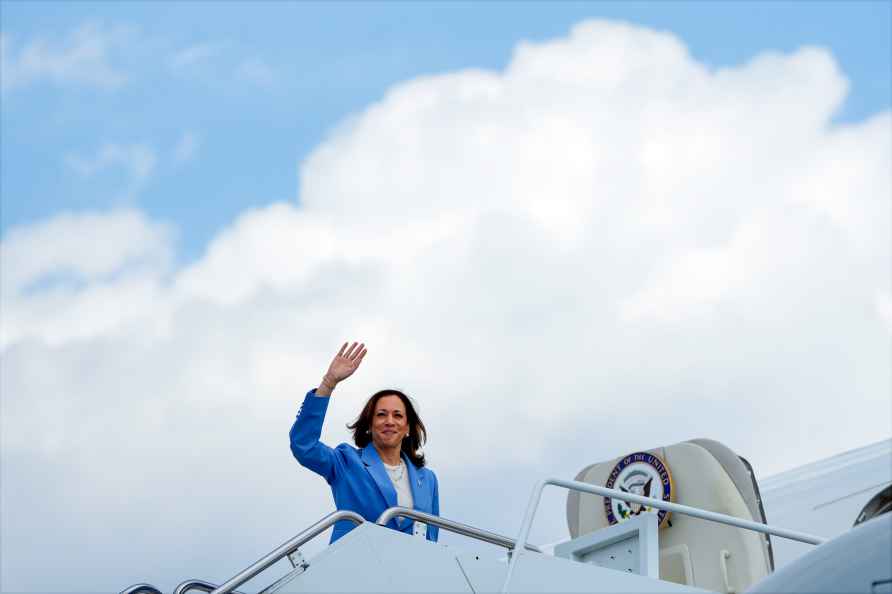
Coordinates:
[452,526]
[200,585]
[141,589]
[649,502]
[286,549]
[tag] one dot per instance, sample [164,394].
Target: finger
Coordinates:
[361,355]
[350,350]
[358,351]
[341,352]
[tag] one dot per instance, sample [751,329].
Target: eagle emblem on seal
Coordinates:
[640,473]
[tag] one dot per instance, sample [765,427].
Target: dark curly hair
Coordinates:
[411,445]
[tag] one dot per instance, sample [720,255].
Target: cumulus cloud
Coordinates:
[76,276]
[84,57]
[884,308]
[607,246]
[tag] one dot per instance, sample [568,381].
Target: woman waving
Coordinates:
[385,469]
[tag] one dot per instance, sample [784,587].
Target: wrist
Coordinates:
[327,386]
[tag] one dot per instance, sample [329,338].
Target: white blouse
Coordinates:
[399,476]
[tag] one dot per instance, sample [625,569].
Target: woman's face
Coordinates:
[389,422]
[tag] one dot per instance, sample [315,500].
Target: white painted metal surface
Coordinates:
[630,547]
[824,497]
[523,538]
[373,558]
[540,573]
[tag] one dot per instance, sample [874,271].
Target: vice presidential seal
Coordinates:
[642,474]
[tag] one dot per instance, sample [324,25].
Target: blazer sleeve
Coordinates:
[305,432]
[433,532]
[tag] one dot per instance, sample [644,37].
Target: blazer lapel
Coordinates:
[375,467]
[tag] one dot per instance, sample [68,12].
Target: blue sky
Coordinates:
[325,61]
[570,230]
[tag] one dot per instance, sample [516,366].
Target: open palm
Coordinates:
[346,361]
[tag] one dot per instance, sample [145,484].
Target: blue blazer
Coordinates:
[358,479]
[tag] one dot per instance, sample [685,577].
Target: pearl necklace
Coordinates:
[392,472]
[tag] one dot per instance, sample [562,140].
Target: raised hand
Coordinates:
[342,366]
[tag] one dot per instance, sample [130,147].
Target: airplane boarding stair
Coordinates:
[623,538]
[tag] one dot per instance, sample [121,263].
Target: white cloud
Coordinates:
[884,308]
[138,160]
[77,276]
[605,247]
[206,58]
[195,56]
[85,57]
[78,243]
